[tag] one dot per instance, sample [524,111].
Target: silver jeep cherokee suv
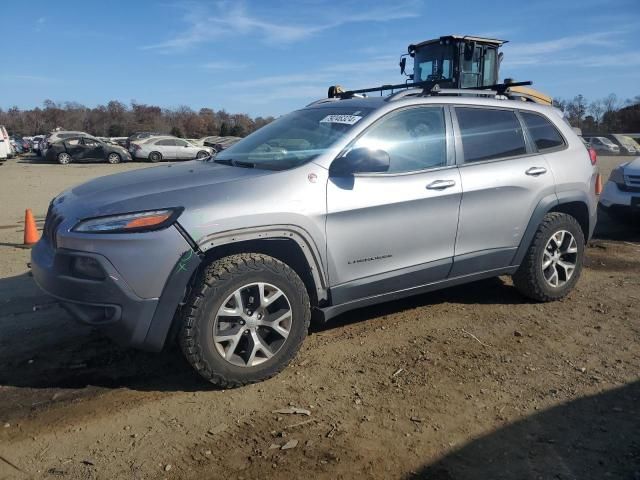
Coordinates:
[341,204]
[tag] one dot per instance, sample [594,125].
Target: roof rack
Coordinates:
[432,88]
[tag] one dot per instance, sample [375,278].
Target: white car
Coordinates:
[621,193]
[156,149]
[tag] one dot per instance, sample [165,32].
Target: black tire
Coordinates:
[529,279]
[202,154]
[213,285]
[155,157]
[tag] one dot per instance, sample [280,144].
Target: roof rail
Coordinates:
[324,100]
[463,91]
[404,93]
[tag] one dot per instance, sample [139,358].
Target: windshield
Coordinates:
[433,62]
[293,139]
[606,141]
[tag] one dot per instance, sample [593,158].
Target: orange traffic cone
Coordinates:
[598,185]
[30,231]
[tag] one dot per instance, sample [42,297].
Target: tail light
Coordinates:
[136,146]
[593,156]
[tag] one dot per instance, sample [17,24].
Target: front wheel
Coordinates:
[552,265]
[64,158]
[202,154]
[114,158]
[245,319]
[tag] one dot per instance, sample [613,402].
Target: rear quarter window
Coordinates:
[489,134]
[543,133]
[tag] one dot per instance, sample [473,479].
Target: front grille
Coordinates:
[632,183]
[51,224]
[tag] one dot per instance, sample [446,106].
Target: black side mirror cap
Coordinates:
[360,160]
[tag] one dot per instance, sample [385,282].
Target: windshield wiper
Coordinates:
[223,161]
[234,163]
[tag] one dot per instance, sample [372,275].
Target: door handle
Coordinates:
[441,184]
[535,171]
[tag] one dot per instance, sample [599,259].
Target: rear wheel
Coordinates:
[64,158]
[245,320]
[553,263]
[114,158]
[155,157]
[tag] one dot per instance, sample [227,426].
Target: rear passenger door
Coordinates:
[74,147]
[503,180]
[93,149]
[167,148]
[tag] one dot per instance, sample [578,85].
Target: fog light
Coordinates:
[87,267]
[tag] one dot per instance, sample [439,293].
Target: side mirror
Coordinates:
[360,160]
[403,65]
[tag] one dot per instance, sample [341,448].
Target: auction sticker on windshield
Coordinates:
[345,119]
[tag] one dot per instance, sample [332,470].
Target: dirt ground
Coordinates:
[473,382]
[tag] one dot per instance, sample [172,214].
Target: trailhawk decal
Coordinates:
[345,119]
[369,259]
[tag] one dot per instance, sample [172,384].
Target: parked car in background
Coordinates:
[16,145]
[621,194]
[7,141]
[138,136]
[35,144]
[219,143]
[85,149]
[156,149]
[4,146]
[604,145]
[54,137]
[628,145]
[585,142]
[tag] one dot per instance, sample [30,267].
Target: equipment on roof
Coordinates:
[453,65]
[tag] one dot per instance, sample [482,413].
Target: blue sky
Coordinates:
[269,57]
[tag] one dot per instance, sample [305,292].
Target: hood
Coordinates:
[186,185]
[633,167]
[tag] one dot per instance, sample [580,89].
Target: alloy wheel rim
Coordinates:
[64,158]
[113,158]
[252,324]
[559,259]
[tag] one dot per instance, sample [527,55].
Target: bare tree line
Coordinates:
[604,115]
[115,119]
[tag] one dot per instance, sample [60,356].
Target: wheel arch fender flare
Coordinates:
[285,232]
[547,204]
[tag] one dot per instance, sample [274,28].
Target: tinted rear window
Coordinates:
[489,134]
[542,131]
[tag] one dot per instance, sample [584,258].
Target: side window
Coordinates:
[90,142]
[542,131]
[73,141]
[165,143]
[489,134]
[414,138]
[180,143]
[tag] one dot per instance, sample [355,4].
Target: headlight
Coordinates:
[617,176]
[130,222]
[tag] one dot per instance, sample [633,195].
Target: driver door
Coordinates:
[395,230]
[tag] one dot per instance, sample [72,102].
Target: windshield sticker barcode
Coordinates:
[346,119]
